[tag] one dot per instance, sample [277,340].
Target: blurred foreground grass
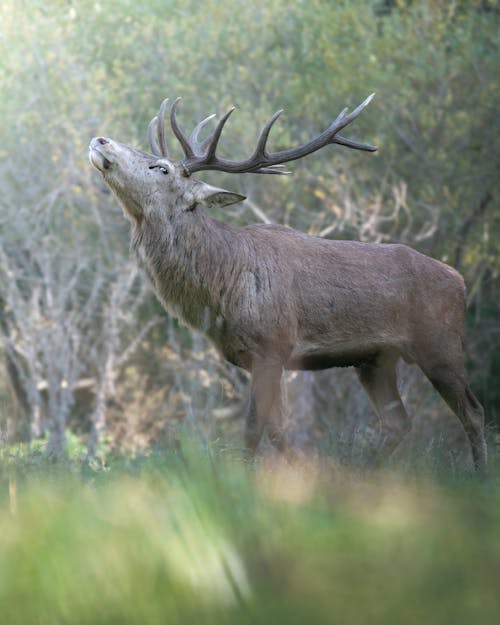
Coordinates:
[199,537]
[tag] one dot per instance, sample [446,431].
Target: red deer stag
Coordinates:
[272,298]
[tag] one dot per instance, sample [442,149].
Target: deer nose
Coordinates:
[98,141]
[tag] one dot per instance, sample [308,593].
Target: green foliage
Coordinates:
[34,458]
[198,537]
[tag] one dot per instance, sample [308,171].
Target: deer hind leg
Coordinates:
[265,410]
[449,380]
[380,382]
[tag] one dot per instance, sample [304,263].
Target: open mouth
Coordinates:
[98,160]
[96,157]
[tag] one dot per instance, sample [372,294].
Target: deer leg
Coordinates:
[253,429]
[453,388]
[380,382]
[265,411]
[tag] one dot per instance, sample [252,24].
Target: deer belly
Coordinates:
[309,357]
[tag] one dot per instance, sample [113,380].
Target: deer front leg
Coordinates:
[266,409]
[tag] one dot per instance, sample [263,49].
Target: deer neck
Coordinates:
[193,264]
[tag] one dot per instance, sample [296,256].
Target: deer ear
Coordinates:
[213,197]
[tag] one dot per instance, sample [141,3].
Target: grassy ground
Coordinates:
[199,537]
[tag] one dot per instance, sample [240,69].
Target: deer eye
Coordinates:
[164,170]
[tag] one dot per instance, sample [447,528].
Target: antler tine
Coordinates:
[264,135]
[214,139]
[155,148]
[198,148]
[272,169]
[156,132]
[352,116]
[355,145]
[160,128]
[342,122]
[178,132]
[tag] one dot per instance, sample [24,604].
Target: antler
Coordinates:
[202,156]
[156,132]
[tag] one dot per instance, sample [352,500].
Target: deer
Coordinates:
[272,299]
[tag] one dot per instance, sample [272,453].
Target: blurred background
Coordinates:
[86,352]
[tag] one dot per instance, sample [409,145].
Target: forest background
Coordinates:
[86,350]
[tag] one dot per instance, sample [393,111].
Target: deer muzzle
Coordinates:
[99,153]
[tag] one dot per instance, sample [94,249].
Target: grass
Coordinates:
[199,537]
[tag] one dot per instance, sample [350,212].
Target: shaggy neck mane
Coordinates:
[195,266]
